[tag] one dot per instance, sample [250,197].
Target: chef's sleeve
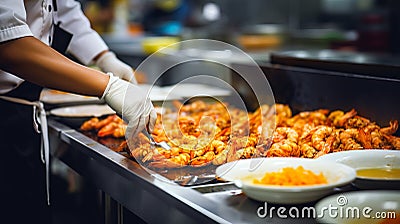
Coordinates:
[13,20]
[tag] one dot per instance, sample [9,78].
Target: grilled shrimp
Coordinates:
[339,118]
[204,159]
[90,124]
[349,139]
[394,125]
[285,148]
[282,133]
[320,136]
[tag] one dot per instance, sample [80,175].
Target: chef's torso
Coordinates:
[20,19]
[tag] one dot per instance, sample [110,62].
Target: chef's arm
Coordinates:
[32,60]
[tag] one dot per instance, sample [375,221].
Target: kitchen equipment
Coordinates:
[54,98]
[83,111]
[162,144]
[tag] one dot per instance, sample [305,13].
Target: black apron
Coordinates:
[22,172]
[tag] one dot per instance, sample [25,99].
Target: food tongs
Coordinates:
[162,144]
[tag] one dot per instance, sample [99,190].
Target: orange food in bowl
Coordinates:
[252,42]
[290,176]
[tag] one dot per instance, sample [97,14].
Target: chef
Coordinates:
[28,63]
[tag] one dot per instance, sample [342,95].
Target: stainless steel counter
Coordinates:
[148,197]
[158,201]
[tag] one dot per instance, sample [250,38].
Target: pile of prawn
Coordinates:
[200,134]
[311,134]
[112,126]
[214,133]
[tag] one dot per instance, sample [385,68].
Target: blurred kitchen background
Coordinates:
[357,25]
[258,27]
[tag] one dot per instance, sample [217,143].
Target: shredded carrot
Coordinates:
[290,176]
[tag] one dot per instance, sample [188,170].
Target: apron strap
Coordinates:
[39,118]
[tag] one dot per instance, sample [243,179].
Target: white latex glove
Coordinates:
[108,62]
[133,103]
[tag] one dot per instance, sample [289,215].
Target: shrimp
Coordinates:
[305,144]
[306,131]
[332,142]
[123,147]
[113,129]
[180,160]
[283,112]
[381,137]
[198,152]
[307,151]
[349,138]
[208,128]
[394,125]
[285,148]
[302,127]
[393,140]
[196,106]
[319,137]
[284,143]
[317,117]
[357,122]
[339,118]
[371,133]
[243,142]
[221,157]
[90,124]
[365,139]
[109,119]
[264,111]
[217,146]
[202,160]
[246,153]
[282,133]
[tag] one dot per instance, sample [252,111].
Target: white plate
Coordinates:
[337,175]
[182,91]
[82,111]
[188,90]
[359,207]
[159,94]
[58,97]
[371,158]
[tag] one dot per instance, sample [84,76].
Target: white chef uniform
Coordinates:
[19,18]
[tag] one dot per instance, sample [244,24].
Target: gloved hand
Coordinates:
[108,62]
[133,103]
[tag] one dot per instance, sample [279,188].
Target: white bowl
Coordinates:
[364,159]
[359,207]
[238,171]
